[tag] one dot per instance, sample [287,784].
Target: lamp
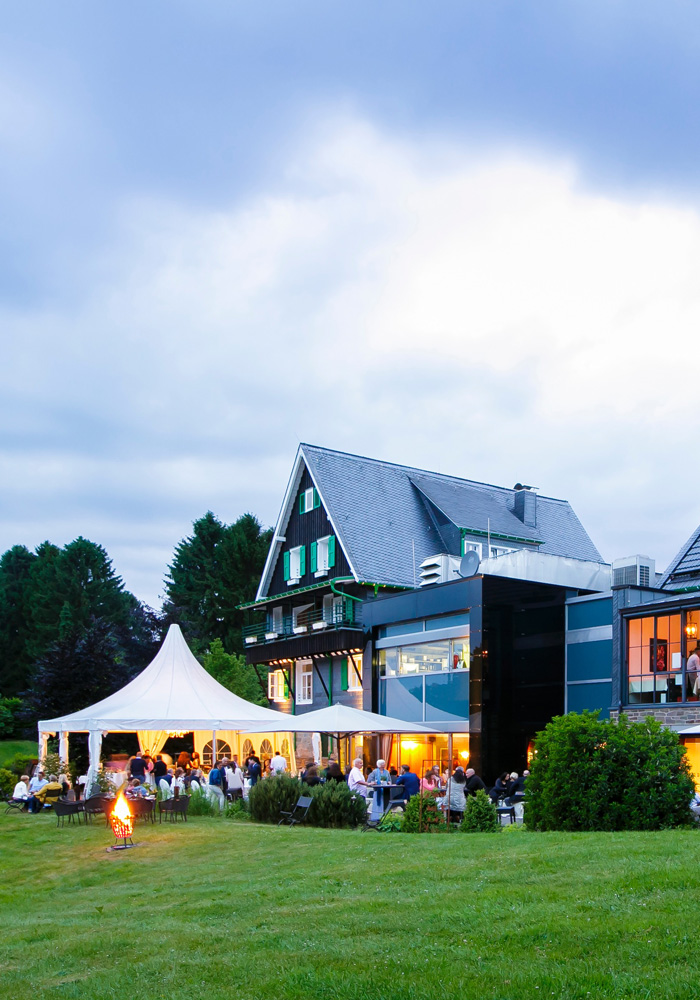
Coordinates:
[464,754]
[176,733]
[408,744]
[691,630]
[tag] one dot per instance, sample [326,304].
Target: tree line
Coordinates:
[71,633]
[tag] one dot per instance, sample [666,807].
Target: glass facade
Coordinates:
[662,663]
[426,681]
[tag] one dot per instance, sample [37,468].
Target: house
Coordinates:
[421,595]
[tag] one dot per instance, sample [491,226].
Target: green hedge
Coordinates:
[334,805]
[593,775]
[480,815]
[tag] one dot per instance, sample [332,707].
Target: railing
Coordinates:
[306,623]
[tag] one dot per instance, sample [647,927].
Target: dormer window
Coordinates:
[294,565]
[308,500]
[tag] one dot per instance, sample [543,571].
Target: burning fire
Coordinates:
[121,818]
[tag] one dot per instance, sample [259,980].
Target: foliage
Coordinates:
[589,774]
[422,815]
[15,659]
[217,568]
[201,805]
[22,763]
[269,796]
[237,809]
[334,805]
[234,673]
[480,814]
[393,823]
[10,709]
[100,783]
[9,749]
[8,780]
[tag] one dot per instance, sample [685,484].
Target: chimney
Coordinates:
[525,506]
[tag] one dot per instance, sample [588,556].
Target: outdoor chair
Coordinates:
[97,805]
[63,808]
[505,812]
[165,789]
[143,809]
[10,803]
[180,807]
[298,813]
[195,785]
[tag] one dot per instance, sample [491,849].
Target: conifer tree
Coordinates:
[15,660]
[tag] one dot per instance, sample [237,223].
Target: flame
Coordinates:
[122,820]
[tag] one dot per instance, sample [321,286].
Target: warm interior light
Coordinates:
[408,744]
[177,733]
[121,819]
[464,754]
[691,630]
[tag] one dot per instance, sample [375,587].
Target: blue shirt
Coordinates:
[410,782]
[215,776]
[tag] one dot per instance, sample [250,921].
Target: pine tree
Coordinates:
[215,569]
[480,815]
[15,661]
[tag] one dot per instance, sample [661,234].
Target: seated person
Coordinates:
[45,796]
[474,782]
[21,790]
[311,777]
[135,790]
[429,783]
[516,789]
[455,798]
[409,780]
[500,789]
[379,774]
[37,782]
[178,781]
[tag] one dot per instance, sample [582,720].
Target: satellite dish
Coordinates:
[469,564]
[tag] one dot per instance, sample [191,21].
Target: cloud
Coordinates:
[480,312]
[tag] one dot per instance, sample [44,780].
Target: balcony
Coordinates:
[309,622]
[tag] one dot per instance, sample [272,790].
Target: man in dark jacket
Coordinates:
[254,769]
[138,767]
[409,780]
[160,769]
[474,782]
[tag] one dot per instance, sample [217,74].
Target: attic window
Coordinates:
[308,500]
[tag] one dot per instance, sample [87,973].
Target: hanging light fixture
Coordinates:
[176,733]
[408,744]
[691,630]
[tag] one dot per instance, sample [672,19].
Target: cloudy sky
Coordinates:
[463,236]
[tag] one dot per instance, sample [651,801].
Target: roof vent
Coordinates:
[439,569]
[525,504]
[634,571]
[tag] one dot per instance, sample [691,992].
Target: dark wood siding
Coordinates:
[303,529]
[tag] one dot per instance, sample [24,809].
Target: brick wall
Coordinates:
[666,714]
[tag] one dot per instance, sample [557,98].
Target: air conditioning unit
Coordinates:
[441,568]
[634,571]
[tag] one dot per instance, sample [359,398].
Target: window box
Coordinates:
[299,629]
[250,639]
[319,625]
[271,635]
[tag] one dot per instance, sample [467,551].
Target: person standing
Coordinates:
[254,769]
[278,764]
[137,767]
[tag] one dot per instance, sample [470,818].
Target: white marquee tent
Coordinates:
[173,694]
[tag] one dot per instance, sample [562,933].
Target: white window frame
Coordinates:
[322,566]
[275,686]
[472,547]
[500,550]
[294,566]
[305,682]
[308,499]
[278,619]
[355,682]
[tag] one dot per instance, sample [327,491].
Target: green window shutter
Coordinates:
[302,560]
[314,547]
[302,504]
[331,551]
[344,673]
[286,688]
[286,565]
[317,502]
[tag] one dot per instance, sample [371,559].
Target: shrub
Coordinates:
[201,805]
[422,815]
[271,795]
[593,775]
[8,780]
[21,764]
[238,809]
[334,805]
[480,815]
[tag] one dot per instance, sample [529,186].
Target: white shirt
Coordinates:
[354,778]
[21,791]
[234,779]
[36,784]
[278,763]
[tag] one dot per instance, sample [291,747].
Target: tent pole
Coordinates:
[214,754]
[449,771]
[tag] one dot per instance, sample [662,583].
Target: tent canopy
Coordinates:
[339,720]
[173,692]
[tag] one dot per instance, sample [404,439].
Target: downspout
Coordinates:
[341,593]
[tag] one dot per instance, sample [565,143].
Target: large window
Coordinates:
[424,657]
[294,564]
[305,682]
[322,555]
[661,663]
[276,686]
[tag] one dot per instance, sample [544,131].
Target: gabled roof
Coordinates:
[381,515]
[684,568]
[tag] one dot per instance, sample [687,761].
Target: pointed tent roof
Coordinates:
[173,692]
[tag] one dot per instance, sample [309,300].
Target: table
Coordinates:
[379,801]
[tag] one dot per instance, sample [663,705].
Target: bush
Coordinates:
[238,809]
[334,805]
[8,780]
[271,795]
[480,815]
[201,805]
[422,815]
[21,764]
[593,775]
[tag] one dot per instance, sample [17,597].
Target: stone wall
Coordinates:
[667,715]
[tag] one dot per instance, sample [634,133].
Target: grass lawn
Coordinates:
[8,749]
[217,908]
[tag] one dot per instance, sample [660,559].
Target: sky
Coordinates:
[463,236]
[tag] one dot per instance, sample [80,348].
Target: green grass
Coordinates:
[216,909]
[8,749]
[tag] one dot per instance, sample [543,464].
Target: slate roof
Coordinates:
[684,568]
[380,513]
